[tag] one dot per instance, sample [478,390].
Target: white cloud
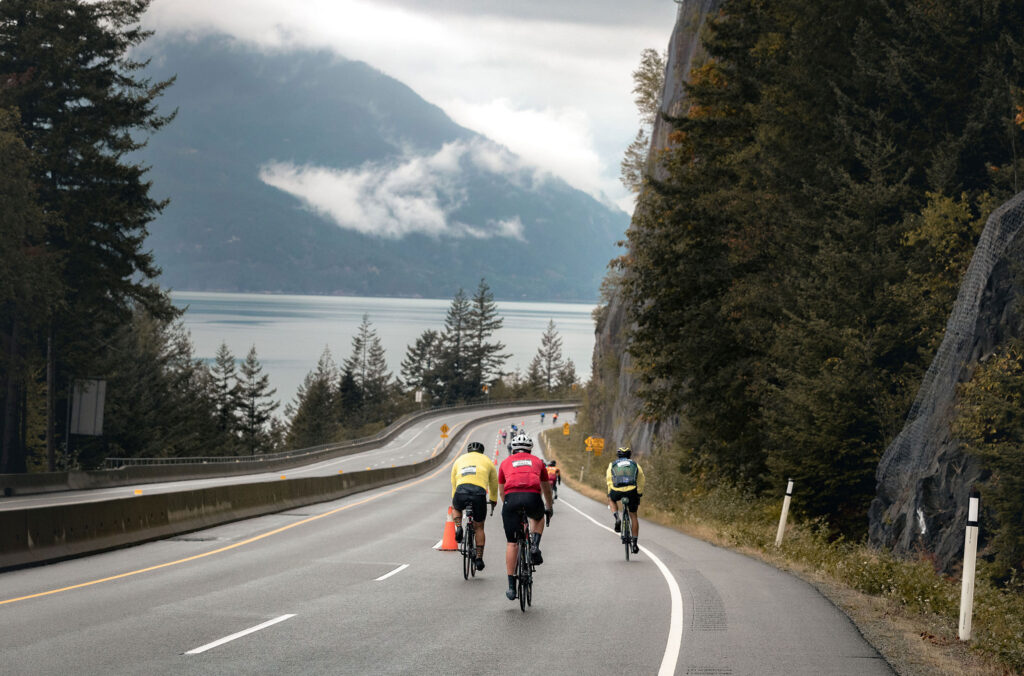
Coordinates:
[418,194]
[553,85]
[558,141]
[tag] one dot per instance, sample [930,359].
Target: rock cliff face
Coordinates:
[924,478]
[616,410]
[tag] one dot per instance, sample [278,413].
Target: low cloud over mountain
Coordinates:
[299,172]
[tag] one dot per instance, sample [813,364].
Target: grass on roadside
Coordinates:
[911,590]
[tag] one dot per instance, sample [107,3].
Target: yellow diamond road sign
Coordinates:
[565,429]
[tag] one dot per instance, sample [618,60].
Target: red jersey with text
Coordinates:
[522,473]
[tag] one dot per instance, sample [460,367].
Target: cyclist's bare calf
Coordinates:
[634,522]
[478,526]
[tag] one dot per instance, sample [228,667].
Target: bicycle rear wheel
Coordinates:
[464,549]
[471,549]
[627,535]
[523,572]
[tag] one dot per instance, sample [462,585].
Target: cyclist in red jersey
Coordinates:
[522,480]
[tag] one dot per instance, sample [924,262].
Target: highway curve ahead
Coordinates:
[356,587]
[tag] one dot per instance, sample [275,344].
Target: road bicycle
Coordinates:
[524,563]
[627,526]
[468,545]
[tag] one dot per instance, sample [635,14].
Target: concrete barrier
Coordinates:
[43,534]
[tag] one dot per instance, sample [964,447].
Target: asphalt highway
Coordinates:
[356,586]
[415,444]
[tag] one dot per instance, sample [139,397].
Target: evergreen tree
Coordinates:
[66,67]
[256,405]
[534,380]
[486,358]
[454,360]
[648,83]
[349,400]
[160,400]
[28,283]
[313,413]
[227,392]
[990,420]
[547,364]
[567,375]
[420,362]
[369,368]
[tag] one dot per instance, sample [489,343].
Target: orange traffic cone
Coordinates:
[448,543]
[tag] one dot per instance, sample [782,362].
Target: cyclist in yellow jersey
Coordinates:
[474,480]
[625,479]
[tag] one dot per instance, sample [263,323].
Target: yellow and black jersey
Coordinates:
[478,470]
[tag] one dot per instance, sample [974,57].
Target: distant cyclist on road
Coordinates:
[522,480]
[474,481]
[555,477]
[625,479]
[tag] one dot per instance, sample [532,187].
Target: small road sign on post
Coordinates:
[597,443]
[565,429]
[444,431]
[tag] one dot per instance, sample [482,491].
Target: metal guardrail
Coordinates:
[312,452]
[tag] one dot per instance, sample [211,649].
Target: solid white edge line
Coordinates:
[675,627]
[439,543]
[240,634]
[396,570]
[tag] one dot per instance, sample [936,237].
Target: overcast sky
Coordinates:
[549,79]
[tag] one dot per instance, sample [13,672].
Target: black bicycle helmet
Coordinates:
[623,452]
[475,447]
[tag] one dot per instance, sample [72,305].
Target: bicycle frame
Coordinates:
[627,527]
[468,545]
[524,564]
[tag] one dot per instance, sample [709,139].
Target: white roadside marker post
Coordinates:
[785,513]
[970,560]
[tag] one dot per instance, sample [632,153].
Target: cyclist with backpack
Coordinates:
[625,479]
[474,480]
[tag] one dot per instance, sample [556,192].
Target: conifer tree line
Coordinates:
[790,278]
[79,297]
[461,362]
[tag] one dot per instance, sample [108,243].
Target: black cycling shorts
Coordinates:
[534,505]
[634,499]
[466,494]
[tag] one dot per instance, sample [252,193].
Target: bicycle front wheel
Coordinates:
[627,535]
[523,576]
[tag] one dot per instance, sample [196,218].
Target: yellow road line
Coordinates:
[243,542]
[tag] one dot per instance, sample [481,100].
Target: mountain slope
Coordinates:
[428,206]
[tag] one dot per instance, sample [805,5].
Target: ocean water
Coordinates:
[290,332]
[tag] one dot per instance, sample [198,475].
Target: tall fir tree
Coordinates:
[420,361]
[548,363]
[66,67]
[454,360]
[29,283]
[256,405]
[313,414]
[369,368]
[486,356]
[226,391]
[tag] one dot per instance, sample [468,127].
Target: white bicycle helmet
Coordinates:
[521,443]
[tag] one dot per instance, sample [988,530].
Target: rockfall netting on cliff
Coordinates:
[923,477]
